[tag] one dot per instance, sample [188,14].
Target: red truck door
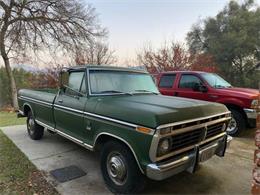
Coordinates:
[185,87]
[166,82]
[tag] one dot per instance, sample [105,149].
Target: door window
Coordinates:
[189,81]
[74,83]
[167,81]
[83,85]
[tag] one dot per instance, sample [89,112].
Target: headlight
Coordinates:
[224,126]
[165,131]
[164,146]
[254,103]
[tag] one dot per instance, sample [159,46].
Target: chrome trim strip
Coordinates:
[45,125]
[174,163]
[191,120]
[250,113]
[75,140]
[96,115]
[34,100]
[70,109]
[101,117]
[121,139]
[111,119]
[21,112]
[153,153]
[194,127]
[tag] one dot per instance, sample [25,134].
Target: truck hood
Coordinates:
[240,92]
[154,110]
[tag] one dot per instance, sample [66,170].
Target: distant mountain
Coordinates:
[28,68]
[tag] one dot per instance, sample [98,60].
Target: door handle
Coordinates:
[60,101]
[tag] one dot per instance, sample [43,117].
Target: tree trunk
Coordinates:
[12,81]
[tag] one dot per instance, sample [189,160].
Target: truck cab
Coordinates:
[211,87]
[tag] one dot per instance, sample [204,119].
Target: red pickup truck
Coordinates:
[211,87]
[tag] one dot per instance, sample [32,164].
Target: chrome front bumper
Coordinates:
[186,162]
[250,113]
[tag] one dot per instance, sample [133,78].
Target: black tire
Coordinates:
[133,180]
[34,130]
[240,122]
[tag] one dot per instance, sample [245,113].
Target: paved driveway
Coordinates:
[229,175]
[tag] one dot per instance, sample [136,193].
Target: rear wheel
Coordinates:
[237,123]
[120,170]
[35,131]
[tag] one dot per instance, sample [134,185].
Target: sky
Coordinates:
[134,23]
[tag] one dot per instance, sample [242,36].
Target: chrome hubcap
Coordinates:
[116,168]
[30,125]
[232,125]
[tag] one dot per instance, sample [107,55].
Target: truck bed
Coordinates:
[40,101]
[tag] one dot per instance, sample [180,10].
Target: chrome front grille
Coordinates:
[186,139]
[213,130]
[184,135]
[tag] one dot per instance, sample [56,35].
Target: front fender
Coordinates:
[138,143]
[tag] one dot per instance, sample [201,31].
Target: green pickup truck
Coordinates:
[139,132]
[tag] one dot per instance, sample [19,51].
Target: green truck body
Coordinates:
[139,121]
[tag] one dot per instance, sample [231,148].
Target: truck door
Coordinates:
[165,84]
[187,83]
[69,106]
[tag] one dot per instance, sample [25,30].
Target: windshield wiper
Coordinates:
[147,91]
[221,86]
[115,91]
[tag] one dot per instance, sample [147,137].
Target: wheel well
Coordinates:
[238,108]
[102,139]
[26,110]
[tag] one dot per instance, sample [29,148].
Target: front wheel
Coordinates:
[120,170]
[35,131]
[237,123]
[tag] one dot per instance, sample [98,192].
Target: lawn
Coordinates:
[9,118]
[18,175]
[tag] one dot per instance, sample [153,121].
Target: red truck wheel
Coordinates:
[237,123]
[35,131]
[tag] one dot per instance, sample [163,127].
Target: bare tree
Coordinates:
[97,53]
[172,56]
[32,25]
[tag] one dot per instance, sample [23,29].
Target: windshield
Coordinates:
[120,82]
[215,81]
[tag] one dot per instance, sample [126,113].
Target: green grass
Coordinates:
[9,118]
[18,175]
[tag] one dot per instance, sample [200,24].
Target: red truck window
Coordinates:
[189,81]
[167,80]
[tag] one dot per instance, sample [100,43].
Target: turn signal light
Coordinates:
[144,129]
